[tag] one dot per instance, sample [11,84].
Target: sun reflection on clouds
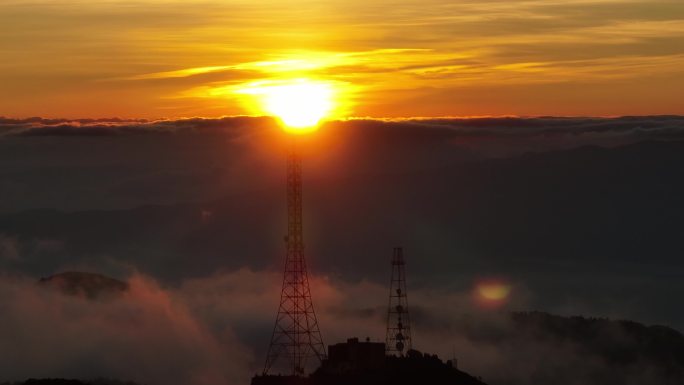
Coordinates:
[309,62]
[297,88]
[409,58]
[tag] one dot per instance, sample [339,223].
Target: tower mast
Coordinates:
[296,336]
[398,337]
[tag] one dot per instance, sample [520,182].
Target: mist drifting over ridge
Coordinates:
[579,215]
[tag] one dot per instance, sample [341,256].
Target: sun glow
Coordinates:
[299,104]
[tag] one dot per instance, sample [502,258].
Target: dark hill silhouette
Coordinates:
[89,285]
[534,348]
[365,363]
[620,343]
[62,381]
[415,368]
[553,349]
[622,204]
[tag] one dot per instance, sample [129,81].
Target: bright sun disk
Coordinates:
[300,105]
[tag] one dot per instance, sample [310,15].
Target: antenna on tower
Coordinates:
[398,338]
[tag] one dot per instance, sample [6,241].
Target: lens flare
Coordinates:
[299,104]
[492,293]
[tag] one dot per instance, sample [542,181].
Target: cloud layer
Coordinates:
[147,336]
[492,128]
[215,330]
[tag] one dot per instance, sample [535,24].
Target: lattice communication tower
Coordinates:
[398,338]
[296,336]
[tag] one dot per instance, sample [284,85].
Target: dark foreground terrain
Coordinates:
[614,352]
[61,381]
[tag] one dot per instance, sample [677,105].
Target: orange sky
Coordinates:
[173,58]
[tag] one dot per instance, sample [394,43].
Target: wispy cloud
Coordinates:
[181,73]
[164,49]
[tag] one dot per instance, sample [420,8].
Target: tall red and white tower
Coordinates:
[296,335]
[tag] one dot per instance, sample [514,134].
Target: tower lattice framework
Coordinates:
[296,334]
[398,338]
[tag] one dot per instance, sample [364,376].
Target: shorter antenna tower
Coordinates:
[398,339]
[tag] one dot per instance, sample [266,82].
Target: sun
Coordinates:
[299,104]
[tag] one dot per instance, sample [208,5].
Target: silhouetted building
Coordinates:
[271,379]
[354,357]
[366,363]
